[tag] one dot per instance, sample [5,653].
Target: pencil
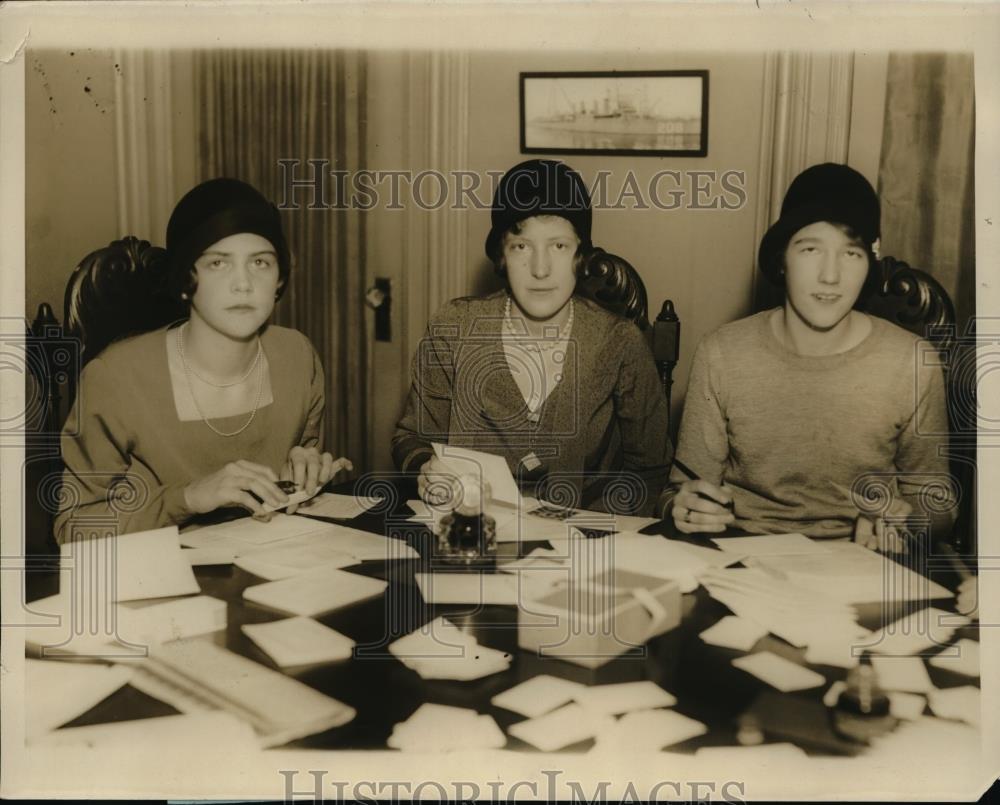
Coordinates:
[691,474]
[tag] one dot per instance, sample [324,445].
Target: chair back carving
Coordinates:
[615,285]
[915,301]
[116,292]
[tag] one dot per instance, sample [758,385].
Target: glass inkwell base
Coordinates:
[468,540]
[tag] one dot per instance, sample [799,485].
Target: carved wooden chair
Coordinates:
[116,291]
[917,302]
[615,285]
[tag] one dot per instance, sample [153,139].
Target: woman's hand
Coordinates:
[968,598]
[311,470]
[436,483]
[884,533]
[700,506]
[232,485]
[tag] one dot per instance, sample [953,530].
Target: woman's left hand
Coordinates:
[884,533]
[311,470]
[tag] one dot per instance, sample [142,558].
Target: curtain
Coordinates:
[927,172]
[256,108]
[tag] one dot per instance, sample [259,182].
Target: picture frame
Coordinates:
[618,113]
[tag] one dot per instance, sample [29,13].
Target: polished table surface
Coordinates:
[384,692]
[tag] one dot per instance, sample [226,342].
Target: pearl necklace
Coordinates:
[188,371]
[534,345]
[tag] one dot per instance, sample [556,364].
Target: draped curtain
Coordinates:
[259,107]
[927,172]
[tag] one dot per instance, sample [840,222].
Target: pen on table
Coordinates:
[956,562]
[691,474]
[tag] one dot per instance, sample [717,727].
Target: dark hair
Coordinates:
[210,212]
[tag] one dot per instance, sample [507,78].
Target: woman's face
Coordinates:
[237,283]
[825,270]
[540,262]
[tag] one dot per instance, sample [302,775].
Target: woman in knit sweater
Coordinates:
[565,391]
[814,417]
[210,412]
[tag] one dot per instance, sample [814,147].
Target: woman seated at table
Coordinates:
[209,412]
[795,415]
[564,390]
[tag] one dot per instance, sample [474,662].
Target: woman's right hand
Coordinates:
[968,598]
[232,485]
[435,483]
[695,510]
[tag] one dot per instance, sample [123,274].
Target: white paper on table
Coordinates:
[775,755]
[962,658]
[624,697]
[917,632]
[734,632]
[442,728]
[961,704]
[545,558]
[839,654]
[221,555]
[435,639]
[907,674]
[468,588]
[299,641]
[315,593]
[57,692]
[295,556]
[560,728]
[649,730]
[514,526]
[339,507]
[145,564]
[537,696]
[490,468]
[171,620]
[296,497]
[364,546]
[908,706]
[771,545]
[478,662]
[852,574]
[778,672]
[246,531]
[421,510]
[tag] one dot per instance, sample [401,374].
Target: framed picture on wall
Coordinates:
[634,113]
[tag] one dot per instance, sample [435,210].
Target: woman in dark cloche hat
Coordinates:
[565,391]
[814,417]
[213,410]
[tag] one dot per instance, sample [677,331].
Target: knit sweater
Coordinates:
[605,417]
[788,434]
[124,436]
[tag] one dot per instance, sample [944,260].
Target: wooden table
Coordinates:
[384,692]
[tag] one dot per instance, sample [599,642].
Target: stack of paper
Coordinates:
[247,532]
[538,695]
[785,609]
[487,588]
[339,507]
[299,641]
[440,728]
[778,672]
[439,650]
[771,545]
[316,592]
[58,692]
[853,575]
[172,620]
[561,728]
[648,731]
[210,556]
[278,707]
